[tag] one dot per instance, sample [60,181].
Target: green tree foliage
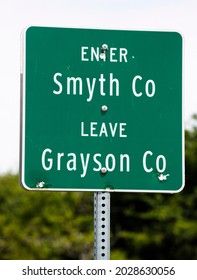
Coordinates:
[191,155]
[59,225]
[44,225]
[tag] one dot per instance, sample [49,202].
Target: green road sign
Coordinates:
[102,110]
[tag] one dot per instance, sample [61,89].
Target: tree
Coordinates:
[44,225]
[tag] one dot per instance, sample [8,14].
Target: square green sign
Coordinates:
[102,110]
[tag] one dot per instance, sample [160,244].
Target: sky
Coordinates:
[16,15]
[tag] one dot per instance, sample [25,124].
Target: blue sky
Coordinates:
[15,15]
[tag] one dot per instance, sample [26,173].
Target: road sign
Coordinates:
[102,110]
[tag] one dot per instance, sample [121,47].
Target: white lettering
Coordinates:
[95,54]
[75,81]
[80,86]
[82,130]
[59,155]
[144,161]
[150,87]
[83,53]
[150,94]
[113,128]
[94,129]
[122,157]
[49,160]
[112,81]
[163,160]
[160,162]
[71,164]
[122,129]
[90,88]
[112,54]
[97,162]
[57,83]
[84,163]
[137,94]
[111,158]
[103,130]
[102,80]
[123,54]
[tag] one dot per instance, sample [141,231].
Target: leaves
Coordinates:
[40,225]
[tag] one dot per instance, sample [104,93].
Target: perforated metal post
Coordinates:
[101,225]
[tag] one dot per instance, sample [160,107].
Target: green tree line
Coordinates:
[51,225]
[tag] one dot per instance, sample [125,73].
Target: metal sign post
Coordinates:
[101,225]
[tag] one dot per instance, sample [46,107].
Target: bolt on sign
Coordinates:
[102,110]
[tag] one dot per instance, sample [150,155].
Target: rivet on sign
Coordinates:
[103,170]
[104,108]
[104,49]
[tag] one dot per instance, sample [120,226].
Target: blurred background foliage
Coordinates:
[54,225]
